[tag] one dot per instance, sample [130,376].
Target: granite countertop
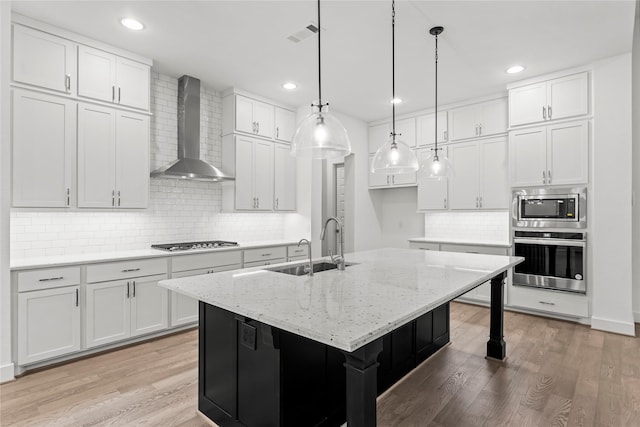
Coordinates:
[61,260]
[385,289]
[501,244]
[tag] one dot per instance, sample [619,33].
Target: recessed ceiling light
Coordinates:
[396,100]
[132,24]
[289,86]
[515,69]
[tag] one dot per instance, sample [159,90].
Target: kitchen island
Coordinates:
[306,324]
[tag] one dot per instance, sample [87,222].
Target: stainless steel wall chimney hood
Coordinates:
[189,166]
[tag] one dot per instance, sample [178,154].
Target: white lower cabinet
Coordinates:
[563,303]
[48,323]
[120,309]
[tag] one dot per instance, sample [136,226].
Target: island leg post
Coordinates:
[362,384]
[496,347]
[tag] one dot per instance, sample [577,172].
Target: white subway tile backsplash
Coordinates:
[178,210]
[469,226]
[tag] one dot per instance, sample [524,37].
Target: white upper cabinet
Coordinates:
[432,193]
[382,180]
[482,119]
[550,155]
[481,174]
[425,128]
[284,170]
[252,159]
[43,60]
[285,124]
[43,149]
[406,128]
[252,116]
[378,135]
[113,158]
[549,100]
[110,78]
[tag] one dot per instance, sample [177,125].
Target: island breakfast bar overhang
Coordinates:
[352,310]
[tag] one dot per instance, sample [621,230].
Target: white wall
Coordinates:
[397,211]
[610,199]
[178,210]
[6,367]
[636,162]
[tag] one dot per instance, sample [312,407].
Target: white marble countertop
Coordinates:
[61,260]
[347,309]
[501,244]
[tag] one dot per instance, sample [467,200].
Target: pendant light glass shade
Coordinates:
[320,136]
[394,157]
[436,167]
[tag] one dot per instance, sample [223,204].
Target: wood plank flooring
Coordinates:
[557,374]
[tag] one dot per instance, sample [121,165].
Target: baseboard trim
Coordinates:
[7,373]
[636,316]
[615,326]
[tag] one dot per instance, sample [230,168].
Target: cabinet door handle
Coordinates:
[118,198]
[134,288]
[393,179]
[113,94]
[480,201]
[258,123]
[544,113]
[128,290]
[113,197]
[67,82]
[445,134]
[387,179]
[477,203]
[480,129]
[549,111]
[77,298]
[547,303]
[118,94]
[49,279]
[276,203]
[129,270]
[548,177]
[258,200]
[445,203]
[68,197]
[277,132]
[544,177]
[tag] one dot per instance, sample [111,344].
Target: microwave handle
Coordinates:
[551,242]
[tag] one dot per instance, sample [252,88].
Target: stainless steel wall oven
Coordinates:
[553,260]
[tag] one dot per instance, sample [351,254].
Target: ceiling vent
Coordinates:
[304,33]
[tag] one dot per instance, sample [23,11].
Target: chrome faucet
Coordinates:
[336,259]
[308,269]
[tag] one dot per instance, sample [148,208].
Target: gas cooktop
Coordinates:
[172,247]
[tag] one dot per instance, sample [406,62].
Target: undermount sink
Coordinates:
[301,270]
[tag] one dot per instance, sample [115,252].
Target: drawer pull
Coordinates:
[128,270]
[299,251]
[269,254]
[48,279]
[77,298]
[547,303]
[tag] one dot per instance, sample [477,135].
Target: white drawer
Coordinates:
[297,251]
[126,269]
[564,303]
[205,260]
[471,249]
[265,254]
[424,246]
[264,262]
[48,278]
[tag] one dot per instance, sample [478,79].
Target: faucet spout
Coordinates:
[308,243]
[337,259]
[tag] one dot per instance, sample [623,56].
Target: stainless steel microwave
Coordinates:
[549,207]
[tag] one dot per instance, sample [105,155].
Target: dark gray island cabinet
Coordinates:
[280,350]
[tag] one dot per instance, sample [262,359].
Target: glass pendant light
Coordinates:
[436,166]
[320,135]
[396,156]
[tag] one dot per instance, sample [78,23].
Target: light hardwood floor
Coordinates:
[557,373]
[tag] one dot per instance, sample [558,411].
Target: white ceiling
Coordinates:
[244,44]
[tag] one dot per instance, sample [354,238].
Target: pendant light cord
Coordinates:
[319,62]
[435,154]
[393,72]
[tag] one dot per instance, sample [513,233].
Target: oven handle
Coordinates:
[552,242]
